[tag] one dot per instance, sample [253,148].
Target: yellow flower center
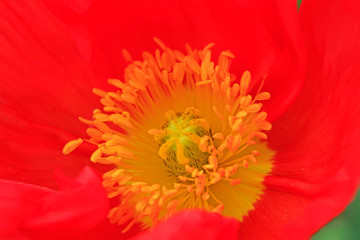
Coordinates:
[183,133]
[179,141]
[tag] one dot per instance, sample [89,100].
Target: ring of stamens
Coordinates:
[199,144]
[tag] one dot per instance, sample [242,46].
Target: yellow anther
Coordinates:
[71,146]
[260,117]
[263,96]
[172,204]
[218,114]
[235,182]
[201,83]
[219,208]
[228,54]
[245,163]
[264,125]
[154,131]
[99,92]
[195,173]
[193,65]
[205,65]
[205,196]
[189,169]
[124,179]
[219,136]
[141,205]
[260,135]
[253,108]
[126,55]
[117,173]
[97,154]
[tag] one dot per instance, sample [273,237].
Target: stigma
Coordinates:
[181,133]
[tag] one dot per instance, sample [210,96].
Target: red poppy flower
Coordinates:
[274,167]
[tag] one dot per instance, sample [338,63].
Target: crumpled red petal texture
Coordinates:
[29,211]
[43,60]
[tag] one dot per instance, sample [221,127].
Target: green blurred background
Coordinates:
[347,225]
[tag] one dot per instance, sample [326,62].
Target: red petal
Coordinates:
[78,207]
[42,213]
[264,36]
[296,209]
[40,66]
[17,200]
[69,12]
[193,225]
[315,134]
[77,6]
[316,170]
[44,87]
[337,193]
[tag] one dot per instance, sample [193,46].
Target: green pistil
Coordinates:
[179,141]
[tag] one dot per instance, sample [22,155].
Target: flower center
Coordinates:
[180,141]
[208,153]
